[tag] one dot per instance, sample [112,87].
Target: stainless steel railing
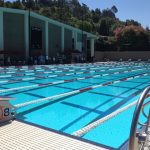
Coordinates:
[139,138]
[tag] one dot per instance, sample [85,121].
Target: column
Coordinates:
[92,47]
[62,39]
[26,34]
[75,40]
[46,38]
[1,31]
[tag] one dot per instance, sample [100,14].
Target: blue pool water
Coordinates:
[71,113]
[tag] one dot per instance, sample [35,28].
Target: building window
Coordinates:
[36,38]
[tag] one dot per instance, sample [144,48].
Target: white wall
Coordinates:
[125,55]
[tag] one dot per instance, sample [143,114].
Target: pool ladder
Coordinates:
[140,138]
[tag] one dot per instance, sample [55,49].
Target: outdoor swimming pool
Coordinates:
[92,91]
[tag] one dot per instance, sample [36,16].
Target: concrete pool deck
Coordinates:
[21,136]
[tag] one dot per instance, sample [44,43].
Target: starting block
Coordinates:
[7,111]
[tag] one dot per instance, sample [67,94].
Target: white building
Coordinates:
[47,36]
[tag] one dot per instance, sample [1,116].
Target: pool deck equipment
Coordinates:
[140,139]
[7,111]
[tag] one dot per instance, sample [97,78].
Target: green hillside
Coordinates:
[114,34]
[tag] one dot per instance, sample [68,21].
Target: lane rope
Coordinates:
[32,72]
[53,76]
[77,91]
[64,81]
[97,123]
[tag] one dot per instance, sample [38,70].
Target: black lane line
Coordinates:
[92,83]
[42,106]
[65,87]
[29,90]
[81,107]
[113,108]
[30,80]
[98,93]
[51,85]
[35,95]
[118,105]
[40,87]
[3,87]
[117,86]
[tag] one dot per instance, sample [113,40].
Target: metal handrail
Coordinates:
[138,109]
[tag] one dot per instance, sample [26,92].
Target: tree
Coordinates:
[132,38]
[132,22]
[17,4]
[114,9]
[108,13]
[147,29]
[104,27]
[96,15]
[1,3]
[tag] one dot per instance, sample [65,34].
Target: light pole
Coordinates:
[61,13]
[84,49]
[29,26]
[62,6]
[82,28]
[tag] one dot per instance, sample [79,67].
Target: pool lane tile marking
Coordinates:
[35,95]
[29,90]
[116,96]
[74,92]
[85,67]
[3,87]
[82,107]
[124,87]
[30,72]
[33,78]
[41,106]
[118,105]
[127,71]
[64,81]
[90,82]
[110,110]
[84,115]
[65,87]
[57,82]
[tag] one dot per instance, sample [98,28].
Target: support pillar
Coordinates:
[75,40]
[92,47]
[1,32]
[46,38]
[62,39]
[26,34]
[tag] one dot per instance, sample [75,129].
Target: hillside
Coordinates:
[103,23]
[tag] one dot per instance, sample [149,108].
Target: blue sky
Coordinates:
[127,9]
